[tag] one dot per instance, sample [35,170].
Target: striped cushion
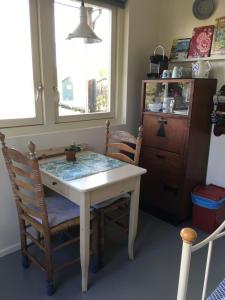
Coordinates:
[219,293]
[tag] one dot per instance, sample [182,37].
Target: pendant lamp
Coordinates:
[83,30]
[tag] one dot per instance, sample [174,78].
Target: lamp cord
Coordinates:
[63,4]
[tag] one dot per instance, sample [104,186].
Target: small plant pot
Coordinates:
[70,155]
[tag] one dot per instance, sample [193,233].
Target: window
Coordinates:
[83,70]
[49,80]
[19,77]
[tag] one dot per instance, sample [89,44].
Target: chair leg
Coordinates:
[95,259]
[49,267]
[23,239]
[101,237]
[25,262]
[50,288]
[38,235]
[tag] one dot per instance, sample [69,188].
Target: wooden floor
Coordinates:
[153,275]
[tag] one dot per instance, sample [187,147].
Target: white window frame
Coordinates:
[38,119]
[112,77]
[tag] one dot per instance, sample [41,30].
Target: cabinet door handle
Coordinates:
[160,156]
[162,121]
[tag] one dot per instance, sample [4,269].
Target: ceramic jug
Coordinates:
[201,69]
[177,72]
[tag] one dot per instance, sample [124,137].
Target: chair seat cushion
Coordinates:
[60,210]
[110,201]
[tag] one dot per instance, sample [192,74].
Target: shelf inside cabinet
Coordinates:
[162,114]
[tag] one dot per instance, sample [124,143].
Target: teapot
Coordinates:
[201,69]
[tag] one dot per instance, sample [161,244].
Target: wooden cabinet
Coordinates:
[175,143]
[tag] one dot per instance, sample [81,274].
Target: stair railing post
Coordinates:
[188,236]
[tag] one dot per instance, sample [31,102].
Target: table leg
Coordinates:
[84,238]
[134,209]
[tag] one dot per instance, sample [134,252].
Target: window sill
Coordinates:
[57,128]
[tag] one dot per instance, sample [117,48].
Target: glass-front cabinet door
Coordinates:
[168,97]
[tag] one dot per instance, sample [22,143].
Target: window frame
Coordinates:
[35,46]
[112,76]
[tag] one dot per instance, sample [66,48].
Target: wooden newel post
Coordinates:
[188,236]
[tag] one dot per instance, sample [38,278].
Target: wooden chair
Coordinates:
[50,216]
[128,150]
[128,145]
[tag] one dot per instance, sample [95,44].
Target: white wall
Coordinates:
[141,20]
[177,21]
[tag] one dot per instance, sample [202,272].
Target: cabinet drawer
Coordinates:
[55,185]
[163,193]
[165,133]
[161,161]
[162,185]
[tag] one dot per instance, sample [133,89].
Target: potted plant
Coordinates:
[71,151]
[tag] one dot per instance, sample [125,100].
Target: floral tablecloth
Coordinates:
[87,163]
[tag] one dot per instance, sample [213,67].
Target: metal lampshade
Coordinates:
[83,30]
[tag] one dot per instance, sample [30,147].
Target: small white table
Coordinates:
[94,189]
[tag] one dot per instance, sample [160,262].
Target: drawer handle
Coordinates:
[160,156]
[169,188]
[162,121]
[54,183]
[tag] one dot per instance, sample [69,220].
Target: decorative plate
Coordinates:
[203,9]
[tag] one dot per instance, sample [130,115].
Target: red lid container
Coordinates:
[210,191]
[208,219]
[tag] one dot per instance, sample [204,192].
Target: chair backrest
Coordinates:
[26,182]
[129,146]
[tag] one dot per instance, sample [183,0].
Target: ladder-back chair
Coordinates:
[50,217]
[123,146]
[129,146]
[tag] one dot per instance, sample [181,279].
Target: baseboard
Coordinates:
[9,249]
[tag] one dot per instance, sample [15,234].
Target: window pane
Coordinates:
[16,73]
[83,70]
